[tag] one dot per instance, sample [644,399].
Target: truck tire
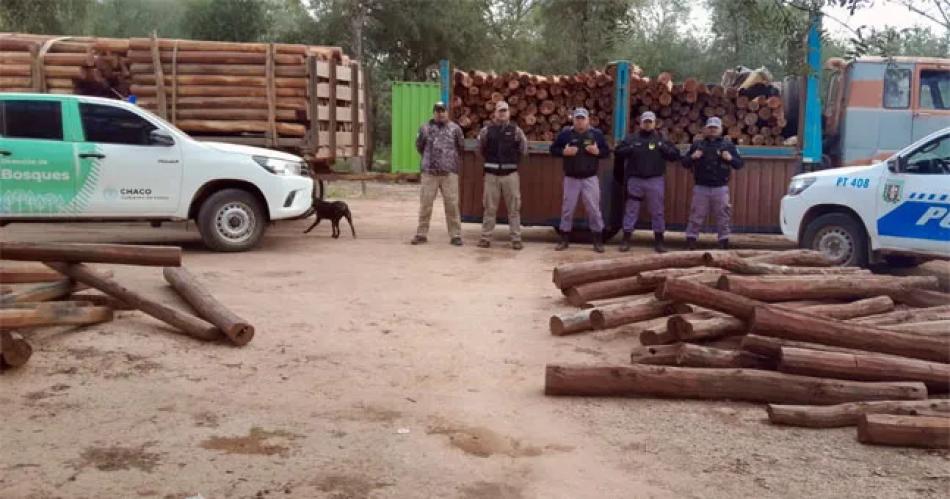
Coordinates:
[840,237]
[231,220]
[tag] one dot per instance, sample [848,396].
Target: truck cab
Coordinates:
[857,215]
[68,158]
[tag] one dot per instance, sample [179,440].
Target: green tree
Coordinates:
[580,34]
[227,20]
[136,18]
[53,17]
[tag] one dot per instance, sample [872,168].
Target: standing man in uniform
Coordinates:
[440,142]
[502,144]
[642,158]
[582,148]
[712,160]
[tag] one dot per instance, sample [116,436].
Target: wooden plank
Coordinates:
[355,117]
[332,95]
[328,91]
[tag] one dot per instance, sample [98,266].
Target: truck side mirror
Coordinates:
[160,138]
[892,165]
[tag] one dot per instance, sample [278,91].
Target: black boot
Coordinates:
[724,244]
[658,242]
[564,243]
[691,243]
[625,242]
[598,242]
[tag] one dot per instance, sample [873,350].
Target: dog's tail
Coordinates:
[349,220]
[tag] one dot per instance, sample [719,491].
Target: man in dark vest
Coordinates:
[502,144]
[582,148]
[712,160]
[640,168]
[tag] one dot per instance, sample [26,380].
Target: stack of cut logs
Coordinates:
[752,116]
[823,346]
[220,90]
[540,105]
[54,294]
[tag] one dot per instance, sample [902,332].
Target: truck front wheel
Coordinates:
[231,220]
[840,237]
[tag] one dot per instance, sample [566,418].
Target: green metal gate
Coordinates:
[412,106]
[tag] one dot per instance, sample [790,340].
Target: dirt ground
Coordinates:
[380,369]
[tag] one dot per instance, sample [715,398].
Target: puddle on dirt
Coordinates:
[483,442]
[348,486]
[120,458]
[255,443]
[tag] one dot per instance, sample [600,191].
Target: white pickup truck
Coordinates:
[864,214]
[66,158]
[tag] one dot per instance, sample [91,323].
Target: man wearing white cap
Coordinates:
[440,142]
[582,147]
[502,144]
[712,160]
[640,168]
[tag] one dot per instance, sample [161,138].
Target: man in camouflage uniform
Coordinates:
[440,142]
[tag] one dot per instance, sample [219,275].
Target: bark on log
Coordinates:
[21,275]
[843,311]
[53,314]
[864,367]
[220,70]
[733,384]
[43,292]
[238,330]
[798,258]
[163,256]
[771,321]
[928,432]
[185,323]
[930,328]
[295,103]
[210,46]
[659,355]
[787,288]
[902,316]
[690,355]
[228,127]
[743,266]
[685,328]
[14,350]
[923,298]
[583,293]
[205,57]
[768,346]
[656,277]
[840,415]
[680,290]
[627,313]
[100,300]
[570,323]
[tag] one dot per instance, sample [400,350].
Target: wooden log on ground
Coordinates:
[923,298]
[627,313]
[848,414]
[185,323]
[690,355]
[42,292]
[771,347]
[53,314]
[684,291]
[786,288]
[909,315]
[738,265]
[732,384]
[238,330]
[21,275]
[685,328]
[100,300]
[656,277]
[583,293]
[163,256]
[658,355]
[864,367]
[928,432]
[798,258]
[14,350]
[931,328]
[843,311]
[570,323]
[772,321]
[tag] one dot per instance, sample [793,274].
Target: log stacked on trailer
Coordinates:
[540,104]
[49,297]
[781,327]
[306,98]
[750,116]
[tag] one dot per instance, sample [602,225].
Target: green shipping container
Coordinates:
[412,106]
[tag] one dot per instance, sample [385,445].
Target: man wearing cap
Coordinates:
[640,168]
[582,147]
[712,160]
[502,144]
[440,142]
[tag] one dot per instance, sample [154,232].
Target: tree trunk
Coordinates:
[732,384]
[680,290]
[685,328]
[690,355]
[99,300]
[656,277]
[798,258]
[770,347]
[583,293]
[837,416]
[626,313]
[22,275]
[163,256]
[738,265]
[929,328]
[902,316]
[14,350]
[185,323]
[229,127]
[923,298]
[786,288]
[43,292]
[928,432]
[864,367]
[219,70]
[771,321]
[843,311]
[238,330]
[570,323]
[659,355]
[53,314]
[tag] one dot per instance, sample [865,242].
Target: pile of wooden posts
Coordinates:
[55,294]
[540,104]
[266,94]
[750,116]
[824,346]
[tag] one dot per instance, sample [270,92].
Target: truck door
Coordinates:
[137,176]
[932,99]
[38,166]
[914,202]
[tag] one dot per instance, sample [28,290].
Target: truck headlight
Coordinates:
[279,166]
[799,184]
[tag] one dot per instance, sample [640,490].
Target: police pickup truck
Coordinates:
[67,158]
[888,210]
